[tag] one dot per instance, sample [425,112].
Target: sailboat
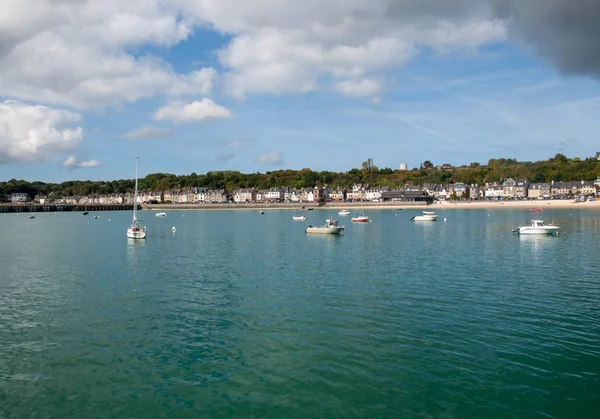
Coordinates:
[360,218]
[136,230]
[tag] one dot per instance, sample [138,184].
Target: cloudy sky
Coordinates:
[199,85]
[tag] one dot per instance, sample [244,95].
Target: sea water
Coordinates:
[236,314]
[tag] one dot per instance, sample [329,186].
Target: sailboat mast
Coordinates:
[137,163]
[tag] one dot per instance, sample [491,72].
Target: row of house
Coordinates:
[511,189]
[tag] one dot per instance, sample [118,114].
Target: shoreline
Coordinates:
[443,205]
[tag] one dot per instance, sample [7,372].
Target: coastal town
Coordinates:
[510,189]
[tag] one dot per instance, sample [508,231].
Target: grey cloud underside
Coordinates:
[567,32]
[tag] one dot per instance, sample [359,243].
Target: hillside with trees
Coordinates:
[557,168]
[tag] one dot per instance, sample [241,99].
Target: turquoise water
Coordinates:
[242,315]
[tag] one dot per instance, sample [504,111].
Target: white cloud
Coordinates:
[33,133]
[367,87]
[147,131]
[78,53]
[195,111]
[91,53]
[73,162]
[300,46]
[272,158]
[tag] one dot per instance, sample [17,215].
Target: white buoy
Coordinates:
[174,229]
[445,219]
[109,220]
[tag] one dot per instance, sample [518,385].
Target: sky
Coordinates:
[201,85]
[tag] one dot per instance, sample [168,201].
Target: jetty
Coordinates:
[5,208]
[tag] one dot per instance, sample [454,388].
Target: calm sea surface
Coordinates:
[238,314]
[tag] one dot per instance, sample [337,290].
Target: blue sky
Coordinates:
[257,90]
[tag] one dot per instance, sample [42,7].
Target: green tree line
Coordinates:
[557,168]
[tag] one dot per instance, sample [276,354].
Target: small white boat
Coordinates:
[161,214]
[261,212]
[427,216]
[537,227]
[331,227]
[344,212]
[298,217]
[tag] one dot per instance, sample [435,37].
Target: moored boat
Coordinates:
[427,216]
[298,217]
[360,218]
[534,210]
[136,230]
[161,214]
[344,212]
[537,227]
[331,227]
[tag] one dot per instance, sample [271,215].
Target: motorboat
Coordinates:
[161,214]
[331,227]
[32,217]
[298,217]
[534,210]
[427,216]
[86,213]
[344,212]
[96,217]
[537,227]
[261,212]
[136,230]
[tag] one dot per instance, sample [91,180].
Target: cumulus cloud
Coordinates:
[78,52]
[72,162]
[34,133]
[367,87]
[196,111]
[272,158]
[564,31]
[94,53]
[299,46]
[147,131]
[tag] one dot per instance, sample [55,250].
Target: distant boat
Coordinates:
[361,218]
[427,216]
[261,212]
[86,213]
[344,212]
[161,214]
[298,217]
[309,209]
[32,216]
[136,230]
[534,210]
[331,227]
[537,227]
[96,217]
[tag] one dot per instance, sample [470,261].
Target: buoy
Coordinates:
[174,229]
[109,220]
[445,219]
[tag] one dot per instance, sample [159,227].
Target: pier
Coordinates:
[5,208]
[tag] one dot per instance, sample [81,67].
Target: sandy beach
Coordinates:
[549,204]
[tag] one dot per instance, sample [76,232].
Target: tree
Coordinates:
[427,164]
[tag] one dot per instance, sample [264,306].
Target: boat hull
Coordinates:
[324,230]
[537,231]
[161,214]
[424,218]
[360,220]
[136,234]
[302,218]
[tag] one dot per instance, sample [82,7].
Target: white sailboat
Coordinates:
[136,230]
